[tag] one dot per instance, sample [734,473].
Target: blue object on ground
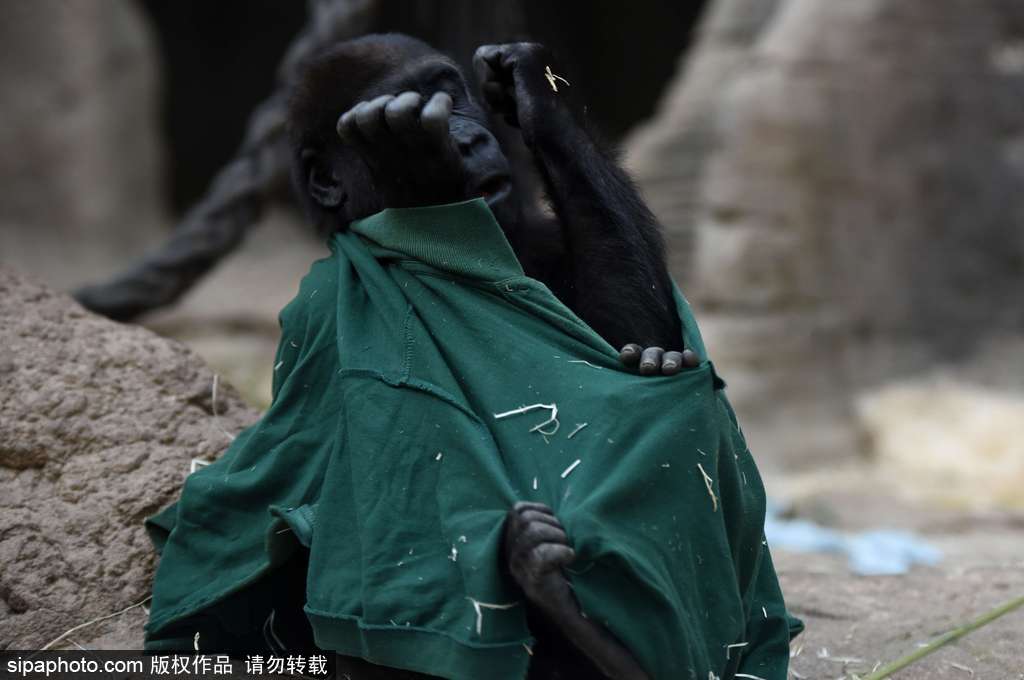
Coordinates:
[870,553]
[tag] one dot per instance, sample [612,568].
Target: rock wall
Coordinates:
[99,423]
[667,154]
[842,186]
[80,179]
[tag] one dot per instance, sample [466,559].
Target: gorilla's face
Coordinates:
[409,133]
[485,165]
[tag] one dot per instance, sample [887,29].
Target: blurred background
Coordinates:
[840,182]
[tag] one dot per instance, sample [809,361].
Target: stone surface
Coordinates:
[667,155]
[99,423]
[79,93]
[840,184]
[857,623]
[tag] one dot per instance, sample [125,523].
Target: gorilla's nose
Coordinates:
[469,145]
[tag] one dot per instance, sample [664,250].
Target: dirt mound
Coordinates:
[99,424]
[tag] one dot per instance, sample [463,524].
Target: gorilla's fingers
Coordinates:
[402,114]
[650,361]
[539,532]
[435,115]
[522,506]
[671,363]
[550,556]
[535,516]
[346,126]
[630,354]
[487,63]
[370,116]
[496,81]
[354,118]
[654,360]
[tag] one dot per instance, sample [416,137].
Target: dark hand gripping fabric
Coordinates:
[381,454]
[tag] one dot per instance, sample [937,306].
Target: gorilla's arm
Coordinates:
[258,175]
[615,273]
[536,548]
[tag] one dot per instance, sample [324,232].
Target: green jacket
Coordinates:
[394,446]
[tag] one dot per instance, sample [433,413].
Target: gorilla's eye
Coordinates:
[446,80]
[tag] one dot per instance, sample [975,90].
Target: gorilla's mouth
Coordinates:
[493,188]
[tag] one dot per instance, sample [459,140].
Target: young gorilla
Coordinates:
[387,122]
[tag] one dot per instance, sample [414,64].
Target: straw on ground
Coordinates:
[80,626]
[944,639]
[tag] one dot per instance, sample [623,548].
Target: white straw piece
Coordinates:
[80,626]
[551,423]
[569,469]
[729,648]
[196,464]
[711,492]
[579,426]
[479,608]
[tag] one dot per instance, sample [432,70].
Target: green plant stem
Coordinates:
[945,639]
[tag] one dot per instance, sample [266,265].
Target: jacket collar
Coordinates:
[461,238]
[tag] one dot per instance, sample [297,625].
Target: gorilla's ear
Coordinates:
[321,184]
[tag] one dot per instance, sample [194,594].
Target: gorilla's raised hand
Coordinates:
[518,82]
[408,148]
